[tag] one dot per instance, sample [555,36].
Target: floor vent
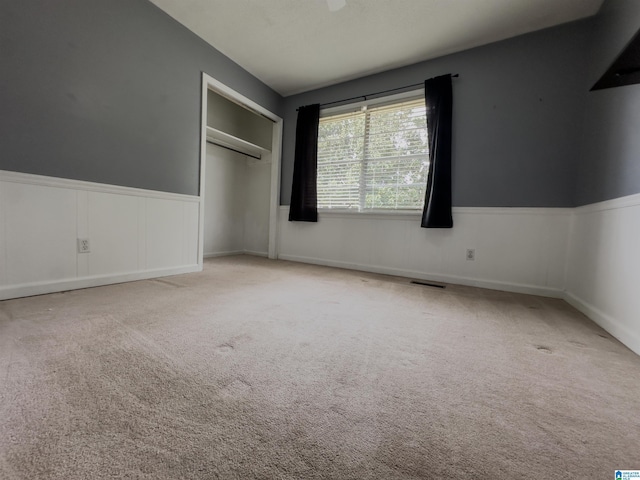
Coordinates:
[427,284]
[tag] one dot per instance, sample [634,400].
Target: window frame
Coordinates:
[355,107]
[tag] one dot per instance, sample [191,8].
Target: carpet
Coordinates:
[259,369]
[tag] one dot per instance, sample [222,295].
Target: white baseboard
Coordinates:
[226,253]
[624,335]
[458,280]
[40,288]
[256,253]
[235,252]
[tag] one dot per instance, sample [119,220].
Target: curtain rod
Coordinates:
[454,75]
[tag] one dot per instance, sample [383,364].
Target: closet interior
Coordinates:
[237,179]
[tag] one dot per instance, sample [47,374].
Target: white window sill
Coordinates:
[389,214]
[413,215]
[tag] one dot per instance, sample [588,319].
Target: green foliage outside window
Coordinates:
[374,159]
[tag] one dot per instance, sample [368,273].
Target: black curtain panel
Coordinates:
[437,204]
[304,201]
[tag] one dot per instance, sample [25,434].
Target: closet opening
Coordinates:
[239,174]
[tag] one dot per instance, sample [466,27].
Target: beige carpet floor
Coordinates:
[275,370]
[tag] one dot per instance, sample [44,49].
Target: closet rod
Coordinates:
[258,157]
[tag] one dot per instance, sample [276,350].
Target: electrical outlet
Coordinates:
[83,245]
[471,254]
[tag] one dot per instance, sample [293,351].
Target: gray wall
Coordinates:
[107,91]
[518,108]
[609,164]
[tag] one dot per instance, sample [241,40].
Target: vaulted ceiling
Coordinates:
[298,45]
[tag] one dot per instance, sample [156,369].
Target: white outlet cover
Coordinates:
[83,245]
[471,254]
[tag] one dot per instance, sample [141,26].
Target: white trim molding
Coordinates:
[227,253]
[626,335]
[40,288]
[133,234]
[603,266]
[516,249]
[416,214]
[434,277]
[210,83]
[236,252]
[81,185]
[613,204]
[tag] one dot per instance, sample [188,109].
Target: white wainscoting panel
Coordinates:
[133,234]
[113,230]
[165,240]
[190,234]
[603,278]
[40,233]
[516,249]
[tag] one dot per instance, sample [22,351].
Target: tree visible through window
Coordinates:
[374,159]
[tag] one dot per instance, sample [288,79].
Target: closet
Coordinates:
[237,179]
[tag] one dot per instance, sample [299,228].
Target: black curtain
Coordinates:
[437,204]
[304,202]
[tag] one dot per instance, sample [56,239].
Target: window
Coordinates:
[375,158]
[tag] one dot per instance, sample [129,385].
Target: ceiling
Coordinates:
[299,45]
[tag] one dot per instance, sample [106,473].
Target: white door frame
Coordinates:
[210,83]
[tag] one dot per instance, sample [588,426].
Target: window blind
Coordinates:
[374,159]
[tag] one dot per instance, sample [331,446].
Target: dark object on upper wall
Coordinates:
[625,70]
